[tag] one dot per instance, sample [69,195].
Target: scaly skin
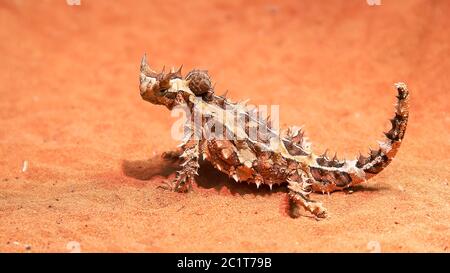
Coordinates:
[266,157]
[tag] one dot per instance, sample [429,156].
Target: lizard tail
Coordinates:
[332,175]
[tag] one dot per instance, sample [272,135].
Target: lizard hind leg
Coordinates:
[299,196]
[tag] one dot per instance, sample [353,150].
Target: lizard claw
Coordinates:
[179,184]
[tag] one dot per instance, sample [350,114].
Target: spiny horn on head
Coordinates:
[178,72]
[145,68]
[335,157]
[143,62]
[175,74]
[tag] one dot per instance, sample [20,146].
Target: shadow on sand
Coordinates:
[208,178]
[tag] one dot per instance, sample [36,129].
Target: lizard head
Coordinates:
[161,88]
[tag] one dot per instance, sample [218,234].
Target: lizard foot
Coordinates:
[182,183]
[312,206]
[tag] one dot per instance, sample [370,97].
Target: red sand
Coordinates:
[70,106]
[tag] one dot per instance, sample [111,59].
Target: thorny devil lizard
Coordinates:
[269,158]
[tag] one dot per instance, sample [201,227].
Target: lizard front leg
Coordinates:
[299,195]
[189,167]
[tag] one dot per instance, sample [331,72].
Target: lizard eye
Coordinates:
[162,92]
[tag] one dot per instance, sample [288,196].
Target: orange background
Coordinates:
[70,107]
